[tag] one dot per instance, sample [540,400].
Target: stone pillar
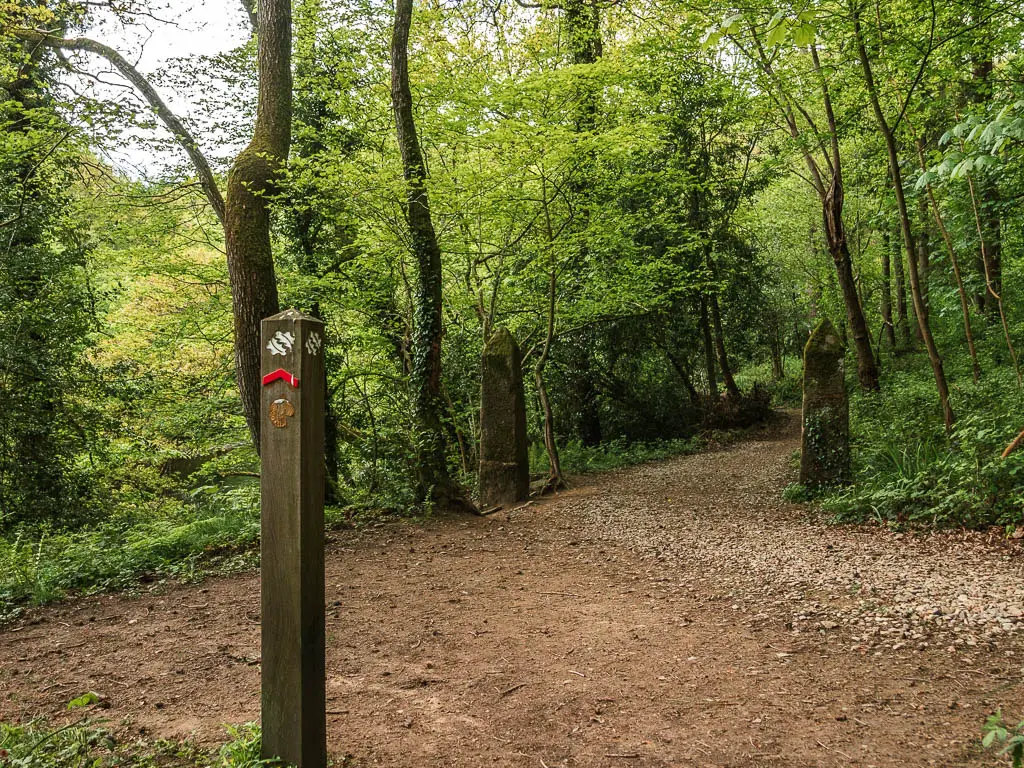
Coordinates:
[825,434]
[504,459]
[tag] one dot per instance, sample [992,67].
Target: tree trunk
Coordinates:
[434,482]
[993,295]
[900,284]
[723,359]
[555,478]
[867,371]
[923,271]
[684,376]
[908,237]
[992,253]
[775,347]
[709,350]
[835,237]
[890,329]
[979,92]
[251,182]
[965,310]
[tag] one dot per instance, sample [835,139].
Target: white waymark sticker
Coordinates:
[313,343]
[282,343]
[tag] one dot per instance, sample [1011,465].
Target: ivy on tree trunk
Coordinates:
[434,481]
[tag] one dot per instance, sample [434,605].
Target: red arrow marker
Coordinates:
[280,373]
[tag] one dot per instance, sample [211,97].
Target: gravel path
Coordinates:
[673,614]
[728,530]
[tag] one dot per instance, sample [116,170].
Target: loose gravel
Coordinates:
[728,531]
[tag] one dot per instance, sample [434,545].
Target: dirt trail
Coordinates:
[674,614]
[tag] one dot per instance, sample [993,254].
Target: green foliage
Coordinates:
[785,392]
[908,471]
[580,459]
[216,533]
[88,743]
[1009,738]
[48,422]
[243,751]
[639,192]
[795,493]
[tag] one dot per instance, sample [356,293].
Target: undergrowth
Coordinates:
[580,459]
[785,392]
[908,471]
[89,743]
[40,565]
[1007,738]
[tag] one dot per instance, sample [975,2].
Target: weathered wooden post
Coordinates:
[293,674]
[825,433]
[504,457]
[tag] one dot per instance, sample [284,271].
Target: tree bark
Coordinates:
[908,237]
[965,309]
[867,370]
[555,477]
[900,285]
[723,359]
[709,350]
[923,271]
[835,237]
[434,482]
[252,181]
[886,304]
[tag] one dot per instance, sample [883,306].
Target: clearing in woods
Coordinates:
[673,614]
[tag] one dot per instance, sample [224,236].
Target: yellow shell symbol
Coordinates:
[280,411]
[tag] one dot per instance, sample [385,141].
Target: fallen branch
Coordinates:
[1014,445]
[514,688]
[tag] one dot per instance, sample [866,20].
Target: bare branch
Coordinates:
[136,78]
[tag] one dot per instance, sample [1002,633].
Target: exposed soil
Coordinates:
[674,614]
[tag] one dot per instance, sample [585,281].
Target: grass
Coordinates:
[217,533]
[89,743]
[40,566]
[579,459]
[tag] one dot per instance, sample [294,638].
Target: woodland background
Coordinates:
[659,199]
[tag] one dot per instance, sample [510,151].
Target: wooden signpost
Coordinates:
[294,706]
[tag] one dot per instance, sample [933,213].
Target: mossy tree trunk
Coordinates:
[434,481]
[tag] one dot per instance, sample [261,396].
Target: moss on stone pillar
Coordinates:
[825,445]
